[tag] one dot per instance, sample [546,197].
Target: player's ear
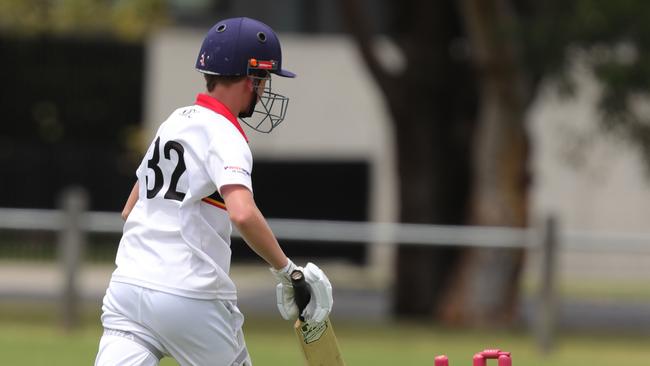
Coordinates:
[250,85]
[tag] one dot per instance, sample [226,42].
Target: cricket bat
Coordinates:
[317,341]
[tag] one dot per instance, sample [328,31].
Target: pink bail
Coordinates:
[503,358]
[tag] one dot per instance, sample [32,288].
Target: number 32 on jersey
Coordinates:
[172,192]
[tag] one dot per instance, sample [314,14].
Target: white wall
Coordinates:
[591,180]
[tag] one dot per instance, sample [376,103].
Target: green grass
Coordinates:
[29,336]
[635,290]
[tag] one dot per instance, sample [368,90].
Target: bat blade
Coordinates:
[319,344]
[317,341]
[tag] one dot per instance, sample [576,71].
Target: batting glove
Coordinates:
[284,291]
[321,302]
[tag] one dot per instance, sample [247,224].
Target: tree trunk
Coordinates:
[484,291]
[434,112]
[433,189]
[433,108]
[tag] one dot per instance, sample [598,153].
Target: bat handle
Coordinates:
[301,291]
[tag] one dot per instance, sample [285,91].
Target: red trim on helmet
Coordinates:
[264,65]
[204,100]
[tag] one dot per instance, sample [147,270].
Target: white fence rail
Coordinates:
[366,232]
[292,229]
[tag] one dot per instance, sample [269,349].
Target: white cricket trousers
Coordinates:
[142,325]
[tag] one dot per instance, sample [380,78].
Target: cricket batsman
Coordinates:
[171,294]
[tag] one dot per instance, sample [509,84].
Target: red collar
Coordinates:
[204,100]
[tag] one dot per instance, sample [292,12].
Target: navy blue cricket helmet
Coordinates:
[231,43]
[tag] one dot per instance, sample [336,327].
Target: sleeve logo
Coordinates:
[237,169]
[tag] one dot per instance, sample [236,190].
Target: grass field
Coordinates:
[30,336]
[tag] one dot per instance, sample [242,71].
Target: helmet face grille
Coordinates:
[270,110]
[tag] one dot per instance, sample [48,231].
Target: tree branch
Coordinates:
[357,24]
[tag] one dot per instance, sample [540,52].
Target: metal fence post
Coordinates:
[547,301]
[71,241]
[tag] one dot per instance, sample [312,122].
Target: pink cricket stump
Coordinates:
[480,359]
[441,361]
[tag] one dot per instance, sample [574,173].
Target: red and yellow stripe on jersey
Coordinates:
[215,200]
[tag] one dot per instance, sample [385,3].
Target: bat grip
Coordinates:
[301,291]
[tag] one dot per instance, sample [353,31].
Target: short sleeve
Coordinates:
[141,172]
[229,161]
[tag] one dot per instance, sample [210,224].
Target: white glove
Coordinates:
[321,302]
[284,291]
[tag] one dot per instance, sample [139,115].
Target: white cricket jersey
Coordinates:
[177,237]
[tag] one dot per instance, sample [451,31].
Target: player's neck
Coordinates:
[227,98]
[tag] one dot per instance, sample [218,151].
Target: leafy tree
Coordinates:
[472,68]
[127,19]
